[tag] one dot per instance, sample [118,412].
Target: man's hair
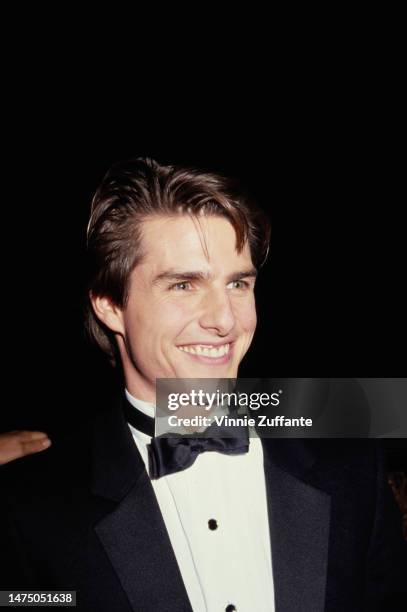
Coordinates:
[141,188]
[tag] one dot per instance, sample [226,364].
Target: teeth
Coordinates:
[207,351]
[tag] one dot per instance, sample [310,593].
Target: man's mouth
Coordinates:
[207,350]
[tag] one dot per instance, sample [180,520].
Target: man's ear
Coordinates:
[110,314]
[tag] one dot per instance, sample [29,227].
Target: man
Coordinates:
[288,525]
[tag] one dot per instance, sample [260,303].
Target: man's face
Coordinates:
[190,314]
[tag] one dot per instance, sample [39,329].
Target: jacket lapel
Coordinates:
[299,517]
[134,535]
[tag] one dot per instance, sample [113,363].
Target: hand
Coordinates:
[16,444]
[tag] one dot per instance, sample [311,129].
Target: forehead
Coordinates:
[208,241]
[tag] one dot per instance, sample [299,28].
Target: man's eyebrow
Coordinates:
[251,273]
[180,275]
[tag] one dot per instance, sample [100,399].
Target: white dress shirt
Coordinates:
[216,517]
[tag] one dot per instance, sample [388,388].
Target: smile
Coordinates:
[206,351]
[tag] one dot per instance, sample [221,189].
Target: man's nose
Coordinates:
[217,312]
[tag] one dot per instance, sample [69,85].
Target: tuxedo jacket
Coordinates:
[83,516]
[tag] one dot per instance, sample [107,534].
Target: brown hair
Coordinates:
[139,188]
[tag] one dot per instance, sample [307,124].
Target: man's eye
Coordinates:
[239,284]
[182,286]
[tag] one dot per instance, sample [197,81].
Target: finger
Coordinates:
[35,446]
[29,436]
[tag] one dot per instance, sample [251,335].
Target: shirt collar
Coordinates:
[145,407]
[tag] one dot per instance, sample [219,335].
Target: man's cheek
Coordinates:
[248,318]
[174,318]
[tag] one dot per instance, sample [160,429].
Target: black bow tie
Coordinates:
[170,455]
[174,454]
